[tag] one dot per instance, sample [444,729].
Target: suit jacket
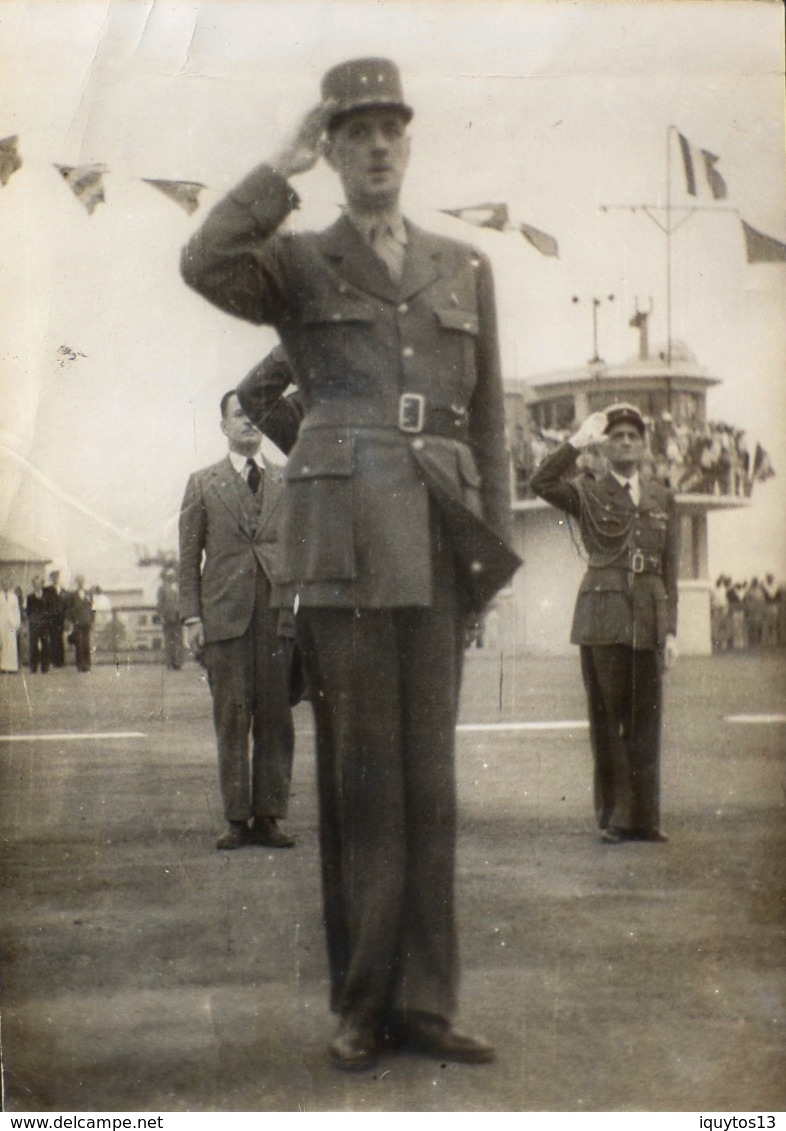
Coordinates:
[79,610]
[223,541]
[356,528]
[616,605]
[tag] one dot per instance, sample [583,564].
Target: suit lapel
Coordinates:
[347,251]
[233,494]
[422,262]
[350,256]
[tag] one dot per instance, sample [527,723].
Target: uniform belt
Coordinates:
[412,414]
[637,562]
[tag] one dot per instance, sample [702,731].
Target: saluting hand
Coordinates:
[304,149]
[592,431]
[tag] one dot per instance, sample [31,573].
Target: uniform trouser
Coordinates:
[39,647]
[624,692]
[249,681]
[384,686]
[82,647]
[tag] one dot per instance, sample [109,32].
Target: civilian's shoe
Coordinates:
[265,830]
[435,1037]
[654,836]
[613,835]
[354,1046]
[236,836]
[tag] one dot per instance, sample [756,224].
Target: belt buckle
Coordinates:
[637,562]
[411,412]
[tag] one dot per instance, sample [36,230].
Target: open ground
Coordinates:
[144,971]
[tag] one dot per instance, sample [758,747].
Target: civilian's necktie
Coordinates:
[253,476]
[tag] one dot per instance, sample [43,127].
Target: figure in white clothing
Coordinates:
[10,623]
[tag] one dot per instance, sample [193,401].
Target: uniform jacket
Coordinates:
[223,540]
[356,525]
[616,605]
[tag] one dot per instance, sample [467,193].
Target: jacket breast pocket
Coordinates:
[459,343]
[317,540]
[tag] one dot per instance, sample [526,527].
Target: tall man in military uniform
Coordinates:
[625,619]
[395,519]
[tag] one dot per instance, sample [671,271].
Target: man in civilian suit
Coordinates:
[626,613]
[395,519]
[57,602]
[228,545]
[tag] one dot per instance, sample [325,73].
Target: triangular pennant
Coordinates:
[544,243]
[85,183]
[687,161]
[762,249]
[493,216]
[184,193]
[10,160]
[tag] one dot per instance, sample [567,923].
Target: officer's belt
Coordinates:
[637,562]
[412,414]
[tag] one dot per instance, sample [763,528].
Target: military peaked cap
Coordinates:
[363,84]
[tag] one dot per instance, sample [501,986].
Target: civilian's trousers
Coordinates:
[249,681]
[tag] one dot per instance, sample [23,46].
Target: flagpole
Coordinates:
[668,244]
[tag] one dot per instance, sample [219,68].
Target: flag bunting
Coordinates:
[10,160]
[497,218]
[762,249]
[184,193]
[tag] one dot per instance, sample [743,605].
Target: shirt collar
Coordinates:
[635,487]
[367,225]
[238,461]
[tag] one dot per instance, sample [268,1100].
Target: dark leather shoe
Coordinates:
[437,1038]
[236,836]
[265,830]
[354,1046]
[654,836]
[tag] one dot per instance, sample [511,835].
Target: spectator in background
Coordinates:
[56,601]
[719,615]
[37,610]
[771,591]
[81,615]
[168,605]
[10,623]
[755,612]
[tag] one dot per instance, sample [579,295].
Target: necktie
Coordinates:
[253,476]
[389,250]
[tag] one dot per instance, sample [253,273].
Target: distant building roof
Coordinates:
[12,552]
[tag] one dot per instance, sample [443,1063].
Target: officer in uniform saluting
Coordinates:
[625,619]
[394,528]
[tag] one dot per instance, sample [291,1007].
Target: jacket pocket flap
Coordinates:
[463,320]
[323,454]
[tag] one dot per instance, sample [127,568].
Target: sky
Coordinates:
[111,369]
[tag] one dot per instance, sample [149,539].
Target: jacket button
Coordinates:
[418,445]
[403,309]
[305,469]
[407,352]
[476,567]
[336,316]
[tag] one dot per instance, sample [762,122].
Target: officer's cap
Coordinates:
[624,413]
[363,84]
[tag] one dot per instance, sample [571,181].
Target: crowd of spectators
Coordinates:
[49,618]
[691,458]
[748,614]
